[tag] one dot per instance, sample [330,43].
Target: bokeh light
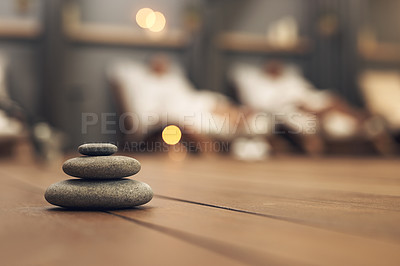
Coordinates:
[145,17]
[177,153]
[150,20]
[171,135]
[159,22]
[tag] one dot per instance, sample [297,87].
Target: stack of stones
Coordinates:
[102,184]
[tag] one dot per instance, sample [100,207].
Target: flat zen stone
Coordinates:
[101,167]
[99,195]
[97,149]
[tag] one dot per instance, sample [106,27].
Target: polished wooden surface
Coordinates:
[213,211]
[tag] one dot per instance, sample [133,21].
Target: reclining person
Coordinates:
[159,94]
[281,91]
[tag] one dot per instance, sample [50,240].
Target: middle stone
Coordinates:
[101,167]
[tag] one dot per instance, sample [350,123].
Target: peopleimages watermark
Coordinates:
[203,123]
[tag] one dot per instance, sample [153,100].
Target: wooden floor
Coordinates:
[213,211]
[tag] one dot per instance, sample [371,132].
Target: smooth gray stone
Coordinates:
[97,149]
[101,167]
[100,195]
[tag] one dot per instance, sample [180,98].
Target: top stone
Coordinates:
[97,149]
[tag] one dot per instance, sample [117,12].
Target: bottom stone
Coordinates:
[100,195]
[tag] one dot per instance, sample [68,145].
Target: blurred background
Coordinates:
[71,69]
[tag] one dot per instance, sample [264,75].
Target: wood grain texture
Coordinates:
[357,197]
[213,211]
[32,232]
